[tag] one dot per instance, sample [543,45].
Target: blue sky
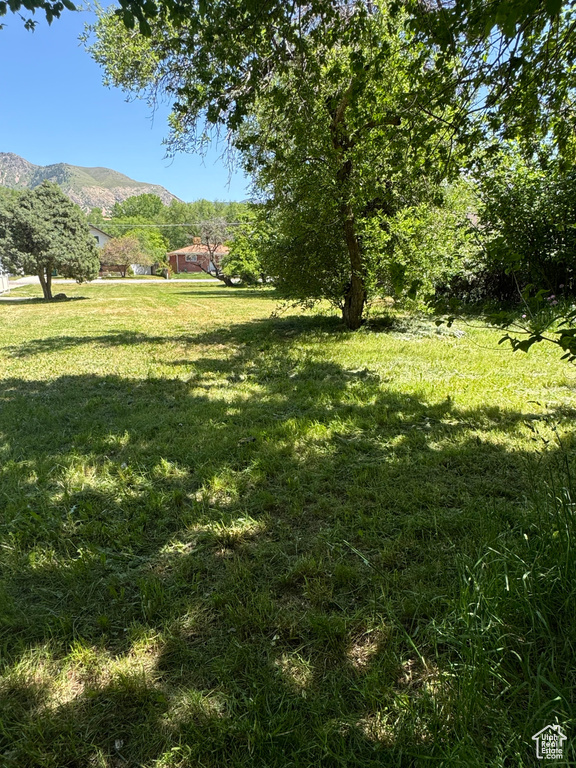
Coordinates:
[54,108]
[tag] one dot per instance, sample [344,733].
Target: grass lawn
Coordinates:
[179,276]
[191,276]
[235,540]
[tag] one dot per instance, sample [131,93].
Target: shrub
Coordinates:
[528,221]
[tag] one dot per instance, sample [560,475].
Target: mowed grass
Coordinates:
[231,539]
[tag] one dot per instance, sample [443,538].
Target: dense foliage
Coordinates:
[516,66]
[529,226]
[152,245]
[173,226]
[338,138]
[42,231]
[246,250]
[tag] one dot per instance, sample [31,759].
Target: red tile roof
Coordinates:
[199,250]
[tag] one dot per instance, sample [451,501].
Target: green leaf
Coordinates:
[144,27]
[128,19]
[525,344]
[553,7]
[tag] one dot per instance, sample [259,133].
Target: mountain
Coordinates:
[88,187]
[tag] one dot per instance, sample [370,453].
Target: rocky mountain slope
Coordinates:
[88,187]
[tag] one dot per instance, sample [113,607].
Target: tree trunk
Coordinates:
[219,275]
[46,283]
[355,296]
[354,302]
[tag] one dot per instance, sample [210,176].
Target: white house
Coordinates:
[102,238]
[4,284]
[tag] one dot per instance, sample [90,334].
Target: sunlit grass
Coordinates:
[231,539]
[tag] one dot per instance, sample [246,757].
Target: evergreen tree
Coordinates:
[42,231]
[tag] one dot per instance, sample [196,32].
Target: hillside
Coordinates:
[88,187]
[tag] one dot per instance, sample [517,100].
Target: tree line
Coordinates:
[171,226]
[43,233]
[423,149]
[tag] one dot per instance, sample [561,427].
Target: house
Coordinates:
[196,257]
[4,284]
[550,743]
[101,237]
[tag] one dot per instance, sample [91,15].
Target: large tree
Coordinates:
[335,157]
[336,127]
[42,231]
[516,63]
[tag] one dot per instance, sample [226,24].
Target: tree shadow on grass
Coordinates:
[226,291]
[263,329]
[239,568]
[26,300]
[53,344]
[270,329]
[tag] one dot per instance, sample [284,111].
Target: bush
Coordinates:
[528,219]
[432,244]
[244,259]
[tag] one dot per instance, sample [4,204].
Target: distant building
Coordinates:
[4,284]
[101,237]
[195,257]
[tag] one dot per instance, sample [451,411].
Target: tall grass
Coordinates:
[511,634]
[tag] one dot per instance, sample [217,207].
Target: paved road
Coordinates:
[32,280]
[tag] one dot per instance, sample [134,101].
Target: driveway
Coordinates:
[33,280]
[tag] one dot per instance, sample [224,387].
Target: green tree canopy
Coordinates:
[147,207]
[336,154]
[42,231]
[515,56]
[528,220]
[515,65]
[152,245]
[338,132]
[175,224]
[247,247]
